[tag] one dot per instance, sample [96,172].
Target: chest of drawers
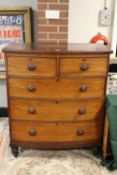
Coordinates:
[56,94]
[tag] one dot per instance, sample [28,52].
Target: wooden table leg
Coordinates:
[105,137]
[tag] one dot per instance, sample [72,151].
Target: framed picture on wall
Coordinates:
[15,27]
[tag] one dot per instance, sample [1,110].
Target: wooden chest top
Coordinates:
[57,48]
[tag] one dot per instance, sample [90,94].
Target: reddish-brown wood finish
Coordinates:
[38,110]
[54,48]
[77,66]
[40,67]
[51,88]
[56,94]
[55,132]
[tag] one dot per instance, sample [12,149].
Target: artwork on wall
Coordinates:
[15,27]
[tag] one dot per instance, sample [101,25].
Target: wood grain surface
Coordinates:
[38,110]
[43,66]
[74,66]
[51,88]
[55,131]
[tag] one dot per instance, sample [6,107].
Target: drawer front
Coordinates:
[55,132]
[51,88]
[31,66]
[83,66]
[82,110]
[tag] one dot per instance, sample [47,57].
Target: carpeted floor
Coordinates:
[36,162]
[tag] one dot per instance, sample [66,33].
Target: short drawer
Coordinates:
[55,132]
[36,110]
[83,66]
[31,66]
[51,88]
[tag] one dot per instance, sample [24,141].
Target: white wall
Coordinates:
[11,3]
[83,20]
[3,94]
[114,32]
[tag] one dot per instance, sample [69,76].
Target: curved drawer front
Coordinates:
[55,132]
[51,88]
[31,66]
[83,66]
[82,110]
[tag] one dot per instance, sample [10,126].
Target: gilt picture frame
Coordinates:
[15,27]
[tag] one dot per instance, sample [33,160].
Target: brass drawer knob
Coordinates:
[80,132]
[31,67]
[31,88]
[82,111]
[31,111]
[83,88]
[84,67]
[32,132]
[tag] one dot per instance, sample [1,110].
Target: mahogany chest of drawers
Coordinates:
[56,94]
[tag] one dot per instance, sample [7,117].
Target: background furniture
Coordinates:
[111,129]
[106,142]
[111,89]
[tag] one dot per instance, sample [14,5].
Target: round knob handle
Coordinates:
[32,132]
[84,67]
[31,110]
[82,111]
[80,132]
[31,67]
[31,88]
[83,88]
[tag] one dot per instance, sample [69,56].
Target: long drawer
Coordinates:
[51,88]
[36,110]
[31,66]
[55,132]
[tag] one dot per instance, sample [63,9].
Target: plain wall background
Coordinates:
[83,24]
[3,94]
[83,20]
[114,32]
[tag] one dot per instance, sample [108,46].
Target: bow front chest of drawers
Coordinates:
[56,94]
